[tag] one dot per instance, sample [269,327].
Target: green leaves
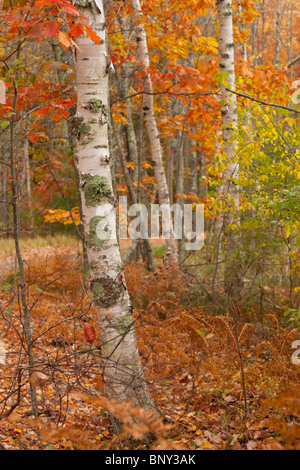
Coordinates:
[293,316]
[4,124]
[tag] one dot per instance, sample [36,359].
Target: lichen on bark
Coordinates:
[124,324]
[107,291]
[96,190]
[93,238]
[79,128]
[95,105]
[84,3]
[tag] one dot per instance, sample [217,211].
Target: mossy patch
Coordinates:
[96,190]
[79,128]
[107,291]
[124,324]
[93,238]
[95,105]
[94,265]
[84,3]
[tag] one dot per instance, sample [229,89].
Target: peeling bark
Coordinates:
[233,276]
[148,108]
[122,369]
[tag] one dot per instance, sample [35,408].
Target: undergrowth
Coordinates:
[212,377]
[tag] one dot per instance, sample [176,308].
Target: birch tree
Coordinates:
[233,276]
[278,25]
[153,133]
[122,369]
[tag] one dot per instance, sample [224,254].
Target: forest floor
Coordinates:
[219,381]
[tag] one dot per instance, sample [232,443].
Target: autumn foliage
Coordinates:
[219,369]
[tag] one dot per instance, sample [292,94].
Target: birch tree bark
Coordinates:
[263,26]
[156,149]
[122,369]
[233,277]
[291,51]
[278,24]
[254,27]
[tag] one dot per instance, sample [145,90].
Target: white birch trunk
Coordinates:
[233,275]
[278,25]
[122,370]
[156,149]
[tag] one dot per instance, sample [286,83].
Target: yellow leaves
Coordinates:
[62,216]
[207,446]
[131,165]
[291,122]
[146,164]
[264,178]
[208,46]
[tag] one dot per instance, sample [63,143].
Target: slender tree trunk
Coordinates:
[169,173]
[15,201]
[61,55]
[123,91]
[148,108]
[147,251]
[263,27]
[233,277]
[122,369]
[193,165]
[291,51]
[255,41]
[29,188]
[4,192]
[278,24]
[25,177]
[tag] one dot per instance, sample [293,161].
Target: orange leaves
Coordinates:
[92,35]
[56,109]
[38,379]
[288,426]
[76,30]
[146,164]
[131,165]
[119,112]
[62,216]
[65,40]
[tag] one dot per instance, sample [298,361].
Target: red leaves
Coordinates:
[185,380]
[76,30]
[50,30]
[70,9]
[34,138]
[56,109]
[89,333]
